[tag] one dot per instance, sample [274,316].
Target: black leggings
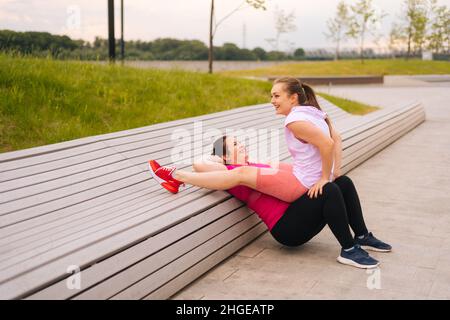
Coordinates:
[338,206]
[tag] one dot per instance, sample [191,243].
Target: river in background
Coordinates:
[202,66]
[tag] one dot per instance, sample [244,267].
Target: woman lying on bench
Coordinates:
[295,201]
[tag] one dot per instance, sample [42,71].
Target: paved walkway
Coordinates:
[404,191]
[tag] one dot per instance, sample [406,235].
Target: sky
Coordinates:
[187,19]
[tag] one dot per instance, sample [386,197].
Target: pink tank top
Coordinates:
[268,208]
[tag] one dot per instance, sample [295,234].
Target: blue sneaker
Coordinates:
[357,257]
[369,242]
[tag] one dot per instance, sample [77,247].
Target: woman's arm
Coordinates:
[209,163]
[337,152]
[308,132]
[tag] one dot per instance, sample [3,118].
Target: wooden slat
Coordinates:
[121,261]
[377,146]
[37,275]
[378,116]
[376,126]
[158,278]
[106,175]
[351,165]
[200,268]
[164,258]
[121,220]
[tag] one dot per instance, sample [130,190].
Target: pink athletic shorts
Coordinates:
[280,182]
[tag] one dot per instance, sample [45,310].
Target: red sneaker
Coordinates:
[163,175]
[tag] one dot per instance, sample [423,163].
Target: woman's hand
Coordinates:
[317,188]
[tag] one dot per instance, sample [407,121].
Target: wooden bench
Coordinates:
[91,203]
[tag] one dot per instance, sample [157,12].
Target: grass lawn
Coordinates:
[350,106]
[44,101]
[348,67]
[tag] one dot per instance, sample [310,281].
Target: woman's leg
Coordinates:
[280,184]
[352,205]
[362,236]
[300,222]
[306,217]
[335,214]
[220,180]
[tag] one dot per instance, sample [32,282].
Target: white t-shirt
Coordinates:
[307,164]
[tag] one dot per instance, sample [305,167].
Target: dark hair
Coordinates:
[220,148]
[306,94]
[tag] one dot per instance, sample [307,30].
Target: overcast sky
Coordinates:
[184,19]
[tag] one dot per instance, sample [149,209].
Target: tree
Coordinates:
[420,27]
[439,38]
[276,56]
[396,38]
[338,25]
[260,53]
[213,25]
[284,23]
[413,25]
[364,19]
[299,53]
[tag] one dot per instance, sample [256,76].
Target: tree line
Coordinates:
[421,25]
[62,47]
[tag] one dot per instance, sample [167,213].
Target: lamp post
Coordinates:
[122,43]
[211,49]
[111,39]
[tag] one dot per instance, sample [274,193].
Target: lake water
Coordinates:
[202,66]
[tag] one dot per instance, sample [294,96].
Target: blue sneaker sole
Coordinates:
[355,264]
[375,249]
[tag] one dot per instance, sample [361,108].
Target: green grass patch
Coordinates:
[43,101]
[350,106]
[348,68]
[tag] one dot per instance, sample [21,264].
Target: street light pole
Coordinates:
[111,39]
[211,35]
[122,43]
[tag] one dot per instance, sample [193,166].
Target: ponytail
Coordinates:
[311,100]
